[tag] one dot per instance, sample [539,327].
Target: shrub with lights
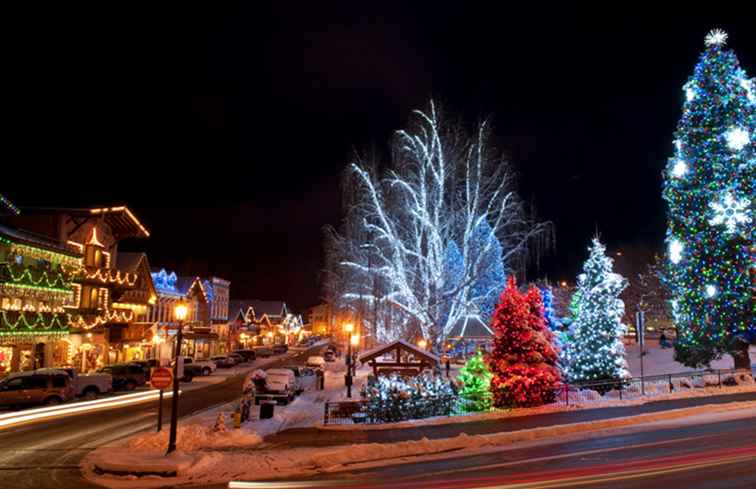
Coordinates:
[523,360]
[709,190]
[596,352]
[394,398]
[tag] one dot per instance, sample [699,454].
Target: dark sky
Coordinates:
[225,128]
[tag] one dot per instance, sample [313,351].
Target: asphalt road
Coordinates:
[47,455]
[718,455]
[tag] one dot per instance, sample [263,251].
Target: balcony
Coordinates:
[35,277]
[106,276]
[33,323]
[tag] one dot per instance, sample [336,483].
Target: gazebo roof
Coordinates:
[401,344]
[470,326]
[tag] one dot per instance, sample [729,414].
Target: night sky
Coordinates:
[226,129]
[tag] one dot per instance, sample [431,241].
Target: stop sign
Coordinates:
[161,378]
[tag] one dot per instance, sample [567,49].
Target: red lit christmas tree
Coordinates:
[523,360]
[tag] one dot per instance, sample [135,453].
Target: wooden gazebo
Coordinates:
[399,356]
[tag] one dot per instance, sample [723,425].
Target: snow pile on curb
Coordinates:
[194,437]
[214,467]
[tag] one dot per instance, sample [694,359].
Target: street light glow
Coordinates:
[181,311]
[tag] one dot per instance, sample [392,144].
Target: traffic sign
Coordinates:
[161,378]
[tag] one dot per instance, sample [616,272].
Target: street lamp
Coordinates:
[180,313]
[348,328]
[422,344]
[354,342]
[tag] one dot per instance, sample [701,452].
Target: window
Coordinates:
[15,384]
[59,381]
[35,382]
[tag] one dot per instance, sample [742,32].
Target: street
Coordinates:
[47,454]
[705,456]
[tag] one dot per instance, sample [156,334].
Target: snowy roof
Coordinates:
[380,350]
[33,239]
[272,309]
[470,326]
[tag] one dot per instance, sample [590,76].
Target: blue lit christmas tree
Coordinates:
[486,251]
[552,321]
[709,189]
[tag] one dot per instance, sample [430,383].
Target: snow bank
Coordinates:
[217,467]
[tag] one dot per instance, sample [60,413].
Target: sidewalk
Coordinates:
[323,437]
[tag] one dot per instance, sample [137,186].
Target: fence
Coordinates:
[374,412]
[365,412]
[635,387]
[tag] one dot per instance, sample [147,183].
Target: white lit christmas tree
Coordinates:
[596,352]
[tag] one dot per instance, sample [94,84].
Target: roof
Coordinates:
[165,281]
[121,220]
[470,326]
[33,239]
[260,307]
[6,206]
[184,286]
[379,351]
[129,262]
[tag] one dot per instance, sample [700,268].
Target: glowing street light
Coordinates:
[422,344]
[179,312]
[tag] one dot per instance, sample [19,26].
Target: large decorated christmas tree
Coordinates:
[523,360]
[709,189]
[475,385]
[596,351]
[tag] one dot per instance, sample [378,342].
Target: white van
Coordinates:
[317,362]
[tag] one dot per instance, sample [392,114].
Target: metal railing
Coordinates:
[648,386]
[374,412]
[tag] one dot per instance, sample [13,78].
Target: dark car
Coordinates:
[248,355]
[147,366]
[263,351]
[238,359]
[280,349]
[126,376]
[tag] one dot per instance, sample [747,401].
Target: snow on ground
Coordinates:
[658,361]
[215,467]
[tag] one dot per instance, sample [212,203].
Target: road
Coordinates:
[47,454]
[717,455]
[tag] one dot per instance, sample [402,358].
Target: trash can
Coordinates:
[267,409]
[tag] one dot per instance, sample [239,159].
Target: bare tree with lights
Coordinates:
[441,184]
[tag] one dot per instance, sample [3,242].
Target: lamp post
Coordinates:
[354,342]
[348,328]
[180,313]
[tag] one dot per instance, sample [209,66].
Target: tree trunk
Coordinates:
[741,356]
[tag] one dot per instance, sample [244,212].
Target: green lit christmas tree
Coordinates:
[709,189]
[475,379]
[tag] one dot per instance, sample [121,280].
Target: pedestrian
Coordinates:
[448,366]
[663,342]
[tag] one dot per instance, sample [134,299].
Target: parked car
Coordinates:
[88,386]
[126,376]
[223,361]
[147,366]
[263,352]
[329,356]
[27,388]
[304,376]
[248,355]
[201,367]
[237,358]
[280,385]
[316,362]
[280,349]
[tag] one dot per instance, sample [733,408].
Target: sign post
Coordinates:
[640,326]
[161,379]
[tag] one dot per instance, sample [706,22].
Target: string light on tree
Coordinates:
[748,87]
[690,93]
[730,212]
